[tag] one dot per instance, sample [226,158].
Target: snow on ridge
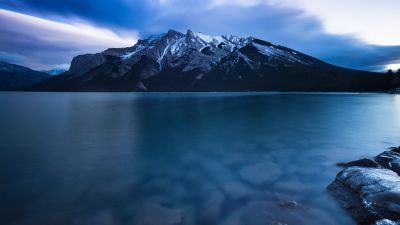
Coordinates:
[173,45]
[165,45]
[176,44]
[210,39]
[130,54]
[278,53]
[204,37]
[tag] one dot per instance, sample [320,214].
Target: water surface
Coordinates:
[131,158]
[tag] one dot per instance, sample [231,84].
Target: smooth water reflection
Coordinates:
[126,158]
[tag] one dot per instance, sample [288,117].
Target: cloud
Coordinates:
[41,43]
[374,22]
[115,13]
[242,3]
[305,25]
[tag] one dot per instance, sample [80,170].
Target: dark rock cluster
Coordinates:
[369,189]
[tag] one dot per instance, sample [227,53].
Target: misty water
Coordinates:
[184,158]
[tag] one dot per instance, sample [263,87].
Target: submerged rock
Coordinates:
[156,214]
[273,213]
[211,208]
[370,189]
[260,174]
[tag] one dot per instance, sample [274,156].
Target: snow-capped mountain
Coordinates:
[14,77]
[191,61]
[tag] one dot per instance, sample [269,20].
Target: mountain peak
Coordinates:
[172,31]
[189,33]
[194,61]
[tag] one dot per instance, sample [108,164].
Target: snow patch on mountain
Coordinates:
[129,55]
[210,39]
[273,51]
[175,43]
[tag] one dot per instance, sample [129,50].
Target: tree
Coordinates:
[390,71]
[398,71]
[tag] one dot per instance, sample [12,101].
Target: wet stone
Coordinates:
[236,190]
[269,212]
[369,194]
[395,149]
[211,208]
[386,222]
[386,158]
[260,174]
[362,162]
[289,204]
[156,214]
[395,165]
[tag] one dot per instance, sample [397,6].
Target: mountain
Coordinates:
[14,77]
[55,72]
[192,61]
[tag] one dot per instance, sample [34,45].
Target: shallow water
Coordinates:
[131,158]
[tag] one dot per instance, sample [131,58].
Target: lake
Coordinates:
[184,158]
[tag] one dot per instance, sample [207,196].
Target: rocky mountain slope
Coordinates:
[196,62]
[14,77]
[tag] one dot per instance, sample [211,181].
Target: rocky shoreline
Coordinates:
[369,189]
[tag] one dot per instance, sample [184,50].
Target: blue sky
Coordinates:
[45,34]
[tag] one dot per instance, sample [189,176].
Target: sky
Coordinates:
[47,34]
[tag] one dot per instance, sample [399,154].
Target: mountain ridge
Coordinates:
[191,61]
[15,77]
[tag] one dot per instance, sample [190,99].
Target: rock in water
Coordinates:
[370,193]
[156,214]
[395,149]
[361,162]
[386,222]
[271,213]
[260,174]
[385,158]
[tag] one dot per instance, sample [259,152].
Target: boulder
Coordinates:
[395,149]
[369,189]
[362,162]
[156,214]
[260,174]
[386,222]
[369,194]
[384,159]
[274,213]
[395,165]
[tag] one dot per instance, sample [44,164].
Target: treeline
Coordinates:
[390,71]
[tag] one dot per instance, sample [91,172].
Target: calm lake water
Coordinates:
[163,159]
